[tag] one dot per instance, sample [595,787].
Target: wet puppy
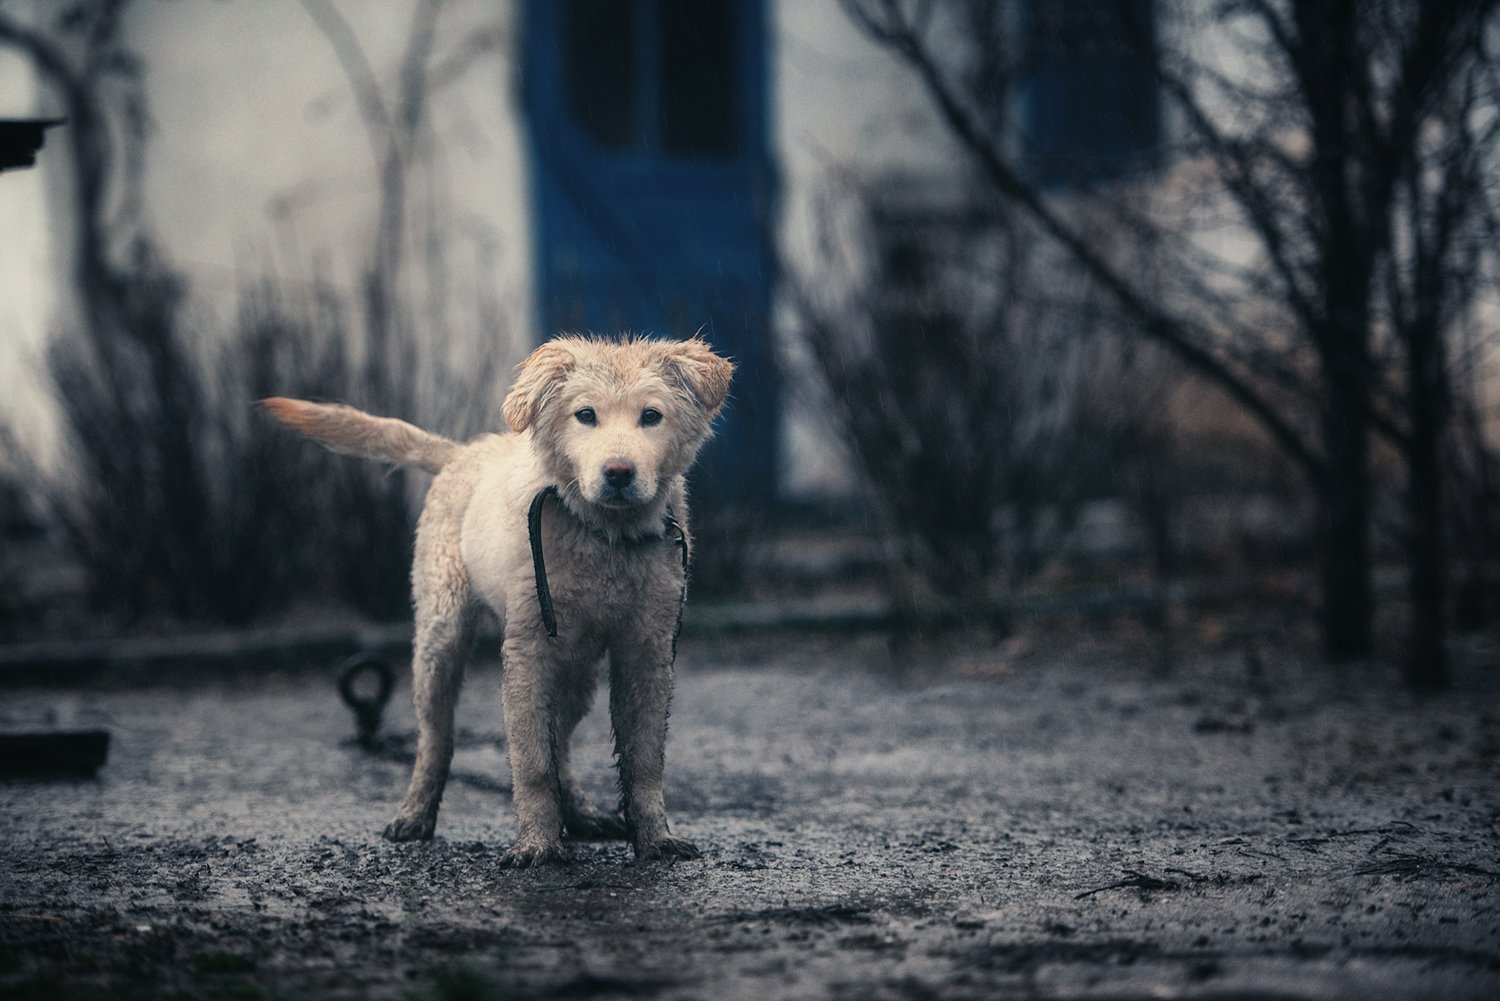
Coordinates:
[603,434]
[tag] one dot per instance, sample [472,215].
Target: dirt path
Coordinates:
[1064,829]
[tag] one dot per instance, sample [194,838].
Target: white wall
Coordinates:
[27,268]
[261,155]
[258,158]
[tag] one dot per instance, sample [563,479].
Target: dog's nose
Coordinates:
[619,473]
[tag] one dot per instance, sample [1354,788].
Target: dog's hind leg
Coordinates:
[438,655]
[445,621]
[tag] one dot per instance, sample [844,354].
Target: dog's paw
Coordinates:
[667,849]
[591,825]
[417,828]
[531,854]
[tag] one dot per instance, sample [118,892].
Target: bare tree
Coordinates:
[393,128]
[396,118]
[1441,263]
[1350,153]
[966,387]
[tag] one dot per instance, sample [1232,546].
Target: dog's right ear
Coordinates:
[536,379]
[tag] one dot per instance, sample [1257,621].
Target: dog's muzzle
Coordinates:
[619,487]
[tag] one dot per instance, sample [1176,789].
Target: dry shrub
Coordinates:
[178,500]
[971,391]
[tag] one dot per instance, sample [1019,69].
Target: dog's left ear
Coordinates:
[536,378]
[705,375]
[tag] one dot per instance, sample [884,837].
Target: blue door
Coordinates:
[652,193]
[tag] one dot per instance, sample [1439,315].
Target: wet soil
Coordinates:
[1067,826]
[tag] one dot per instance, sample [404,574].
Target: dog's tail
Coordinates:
[353,432]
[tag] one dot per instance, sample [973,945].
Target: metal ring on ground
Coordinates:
[367,709]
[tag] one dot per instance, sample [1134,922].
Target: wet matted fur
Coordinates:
[613,426]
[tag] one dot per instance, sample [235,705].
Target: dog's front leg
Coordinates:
[529,698]
[640,689]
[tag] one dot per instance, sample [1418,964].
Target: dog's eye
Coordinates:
[587,416]
[650,416]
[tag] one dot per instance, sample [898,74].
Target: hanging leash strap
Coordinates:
[538,563]
[670,525]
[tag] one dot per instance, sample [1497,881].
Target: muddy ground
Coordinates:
[1049,826]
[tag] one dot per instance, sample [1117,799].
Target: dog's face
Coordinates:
[617,422]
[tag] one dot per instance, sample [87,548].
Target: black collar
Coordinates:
[669,526]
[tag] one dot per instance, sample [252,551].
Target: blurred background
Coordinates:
[1158,316]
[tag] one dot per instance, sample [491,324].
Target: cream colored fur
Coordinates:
[582,416]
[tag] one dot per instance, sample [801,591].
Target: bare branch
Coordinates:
[361,75]
[1264,210]
[1155,322]
[473,47]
